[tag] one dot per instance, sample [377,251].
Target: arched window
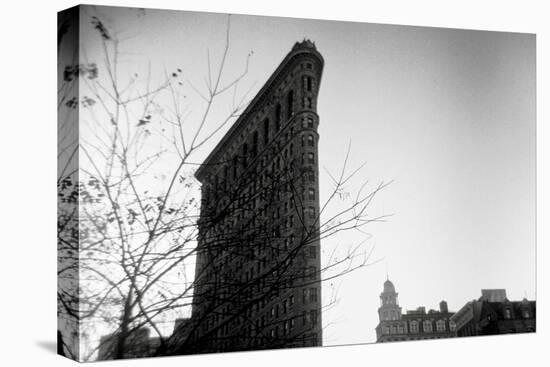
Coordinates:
[290,104]
[307,83]
[310,141]
[427,325]
[414,326]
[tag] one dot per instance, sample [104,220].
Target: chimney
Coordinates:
[493,295]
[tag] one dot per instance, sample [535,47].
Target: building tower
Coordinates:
[258,263]
[414,324]
[389,313]
[389,305]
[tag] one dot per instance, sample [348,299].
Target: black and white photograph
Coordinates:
[231,182]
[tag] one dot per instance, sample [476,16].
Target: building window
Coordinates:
[385,315]
[311,252]
[245,154]
[310,123]
[266,131]
[225,175]
[392,329]
[290,104]
[312,271]
[311,212]
[235,167]
[427,325]
[311,194]
[309,66]
[385,330]
[310,141]
[440,325]
[526,314]
[313,316]
[255,144]
[310,158]
[507,313]
[278,117]
[400,329]
[307,83]
[313,294]
[452,325]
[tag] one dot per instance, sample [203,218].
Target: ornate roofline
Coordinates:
[305,47]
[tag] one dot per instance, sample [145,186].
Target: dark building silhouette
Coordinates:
[494,314]
[415,324]
[257,269]
[137,344]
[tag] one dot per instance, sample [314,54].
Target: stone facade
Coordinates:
[258,261]
[494,314]
[415,324]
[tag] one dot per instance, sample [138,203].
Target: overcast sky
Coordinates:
[448,114]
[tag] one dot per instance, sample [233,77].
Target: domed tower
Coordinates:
[390,327]
[389,305]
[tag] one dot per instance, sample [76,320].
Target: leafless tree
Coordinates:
[130,214]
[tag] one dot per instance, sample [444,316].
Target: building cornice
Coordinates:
[305,48]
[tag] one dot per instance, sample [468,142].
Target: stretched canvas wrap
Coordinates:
[235,182]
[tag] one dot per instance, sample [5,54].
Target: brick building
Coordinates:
[414,324]
[494,314]
[257,269]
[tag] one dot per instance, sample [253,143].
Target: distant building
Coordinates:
[494,314]
[414,325]
[137,345]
